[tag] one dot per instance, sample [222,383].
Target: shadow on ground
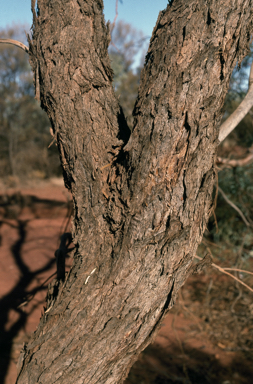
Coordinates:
[158,365]
[18,305]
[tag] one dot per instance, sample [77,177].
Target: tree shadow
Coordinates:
[157,365]
[14,301]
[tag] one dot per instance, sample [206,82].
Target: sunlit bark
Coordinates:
[141,203]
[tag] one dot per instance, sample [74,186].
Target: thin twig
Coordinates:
[235,207]
[117,49]
[116,15]
[205,241]
[207,298]
[31,295]
[181,303]
[238,270]
[234,162]
[15,42]
[215,200]
[226,273]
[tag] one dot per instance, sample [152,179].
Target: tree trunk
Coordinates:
[141,204]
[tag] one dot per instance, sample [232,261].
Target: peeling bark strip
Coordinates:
[141,205]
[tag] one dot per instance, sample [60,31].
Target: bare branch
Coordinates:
[231,123]
[15,42]
[238,270]
[235,162]
[227,273]
[116,15]
[234,206]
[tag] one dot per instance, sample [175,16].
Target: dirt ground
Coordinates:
[206,338]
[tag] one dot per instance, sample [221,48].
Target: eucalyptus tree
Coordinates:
[141,199]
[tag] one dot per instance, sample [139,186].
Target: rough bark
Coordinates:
[141,205]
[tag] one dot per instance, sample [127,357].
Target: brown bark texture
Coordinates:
[141,200]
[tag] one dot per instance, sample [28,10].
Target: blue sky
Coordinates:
[142,14]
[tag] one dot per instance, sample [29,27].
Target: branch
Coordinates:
[231,123]
[235,162]
[15,42]
[116,15]
[227,273]
[234,206]
[238,270]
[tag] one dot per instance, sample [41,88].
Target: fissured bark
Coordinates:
[142,201]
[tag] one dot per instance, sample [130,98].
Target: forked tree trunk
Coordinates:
[141,204]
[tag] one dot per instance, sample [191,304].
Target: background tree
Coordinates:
[127,51]
[24,127]
[141,204]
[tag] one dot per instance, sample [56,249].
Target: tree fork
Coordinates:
[141,204]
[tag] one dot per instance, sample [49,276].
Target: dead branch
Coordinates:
[116,15]
[235,162]
[15,42]
[238,270]
[231,123]
[234,206]
[227,273]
